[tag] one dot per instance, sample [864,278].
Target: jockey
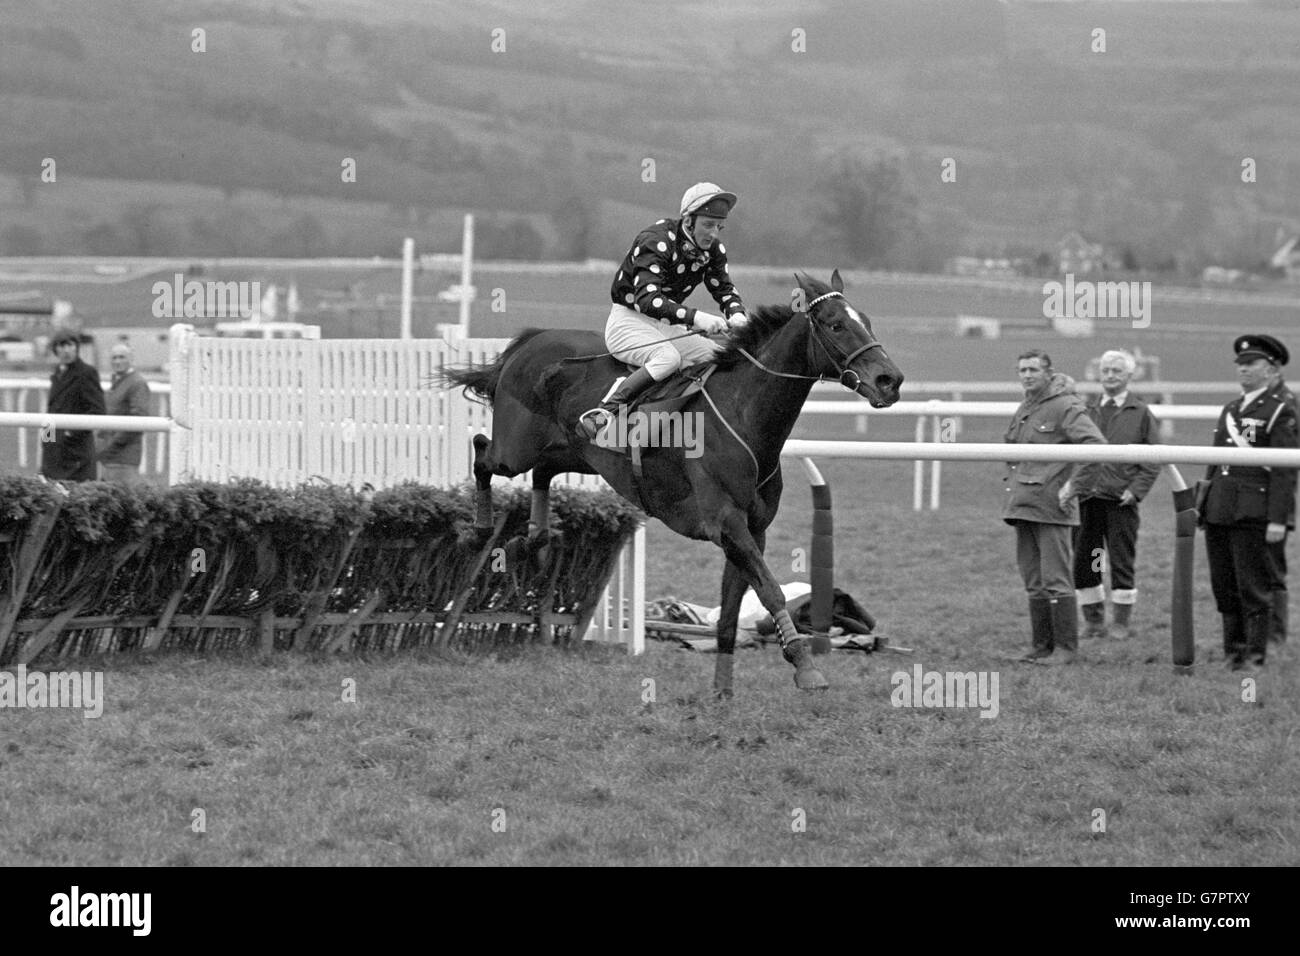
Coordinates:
[663,267]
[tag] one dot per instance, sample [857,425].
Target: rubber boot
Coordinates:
[1065,630]
[1040,627]
[1234,640]
[1280,613]
[1094,619]
[592,421]
[1122,613]
[1258,628]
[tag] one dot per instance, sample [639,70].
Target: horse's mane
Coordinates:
[764,322]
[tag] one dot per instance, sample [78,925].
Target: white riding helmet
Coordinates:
[707,199]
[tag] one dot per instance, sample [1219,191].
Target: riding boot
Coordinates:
[1094,617]
[593,420]
[1278,634]
[1040,627]
[1065,630]
[1122,613]
[1234,640]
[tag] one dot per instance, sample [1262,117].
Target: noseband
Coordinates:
[848,378]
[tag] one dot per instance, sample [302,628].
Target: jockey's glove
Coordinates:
[737,320]
[708,324]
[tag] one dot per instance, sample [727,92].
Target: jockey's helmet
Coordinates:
[707,199]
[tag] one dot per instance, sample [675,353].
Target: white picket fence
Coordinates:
[353,412]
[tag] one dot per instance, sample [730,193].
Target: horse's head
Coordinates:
[841,343]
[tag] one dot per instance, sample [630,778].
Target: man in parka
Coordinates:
[1042,504]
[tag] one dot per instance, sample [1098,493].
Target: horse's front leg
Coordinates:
[743,551]
[733,590]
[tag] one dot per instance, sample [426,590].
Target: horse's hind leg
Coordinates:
[482,484]
[744,551]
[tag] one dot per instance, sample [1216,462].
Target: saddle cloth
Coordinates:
[662,397]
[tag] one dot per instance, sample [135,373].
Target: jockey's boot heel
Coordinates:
[592,421]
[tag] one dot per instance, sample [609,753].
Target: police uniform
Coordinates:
[1242,501]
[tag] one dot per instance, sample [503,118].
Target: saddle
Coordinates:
[630,434]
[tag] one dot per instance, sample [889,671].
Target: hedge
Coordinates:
[105,567]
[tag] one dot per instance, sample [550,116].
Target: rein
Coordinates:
[847,377]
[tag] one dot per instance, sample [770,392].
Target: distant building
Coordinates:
[1078,255]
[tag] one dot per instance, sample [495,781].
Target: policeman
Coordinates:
[1248,507]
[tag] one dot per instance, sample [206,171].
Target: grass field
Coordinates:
[565,754]
[562,751]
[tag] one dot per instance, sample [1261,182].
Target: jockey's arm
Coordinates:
[718,281]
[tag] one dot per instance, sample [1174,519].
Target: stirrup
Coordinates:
[589,427]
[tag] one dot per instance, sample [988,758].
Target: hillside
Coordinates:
[237,150]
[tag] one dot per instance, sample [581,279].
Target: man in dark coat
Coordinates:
[1108,503]
[74,390]
[120,452]
[1042,504]
[1248,508]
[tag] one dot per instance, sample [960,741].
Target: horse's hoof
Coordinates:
[797,652]
[809,678]
[723,693]
[806,677]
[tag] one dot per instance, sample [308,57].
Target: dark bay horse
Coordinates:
[728,489]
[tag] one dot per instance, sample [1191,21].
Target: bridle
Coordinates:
[847,377]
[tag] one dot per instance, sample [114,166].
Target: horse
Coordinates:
[730,493]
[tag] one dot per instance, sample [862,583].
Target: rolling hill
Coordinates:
[541,118]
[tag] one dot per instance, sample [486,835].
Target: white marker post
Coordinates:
[408,267]
[466,273]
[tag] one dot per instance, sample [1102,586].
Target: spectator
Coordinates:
[1250,508]
[74,390]
[1108,503]
[119,451]
[1042,506]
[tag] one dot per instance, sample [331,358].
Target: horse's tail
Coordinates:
[482,380]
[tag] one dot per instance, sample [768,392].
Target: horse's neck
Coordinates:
[772,402]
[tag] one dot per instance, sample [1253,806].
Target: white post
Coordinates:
[935,468]
[408,267]
[918,468]
[466,272]
[180,338]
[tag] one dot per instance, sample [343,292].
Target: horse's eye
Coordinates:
[837,327]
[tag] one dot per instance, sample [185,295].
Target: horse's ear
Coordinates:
[836,282]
